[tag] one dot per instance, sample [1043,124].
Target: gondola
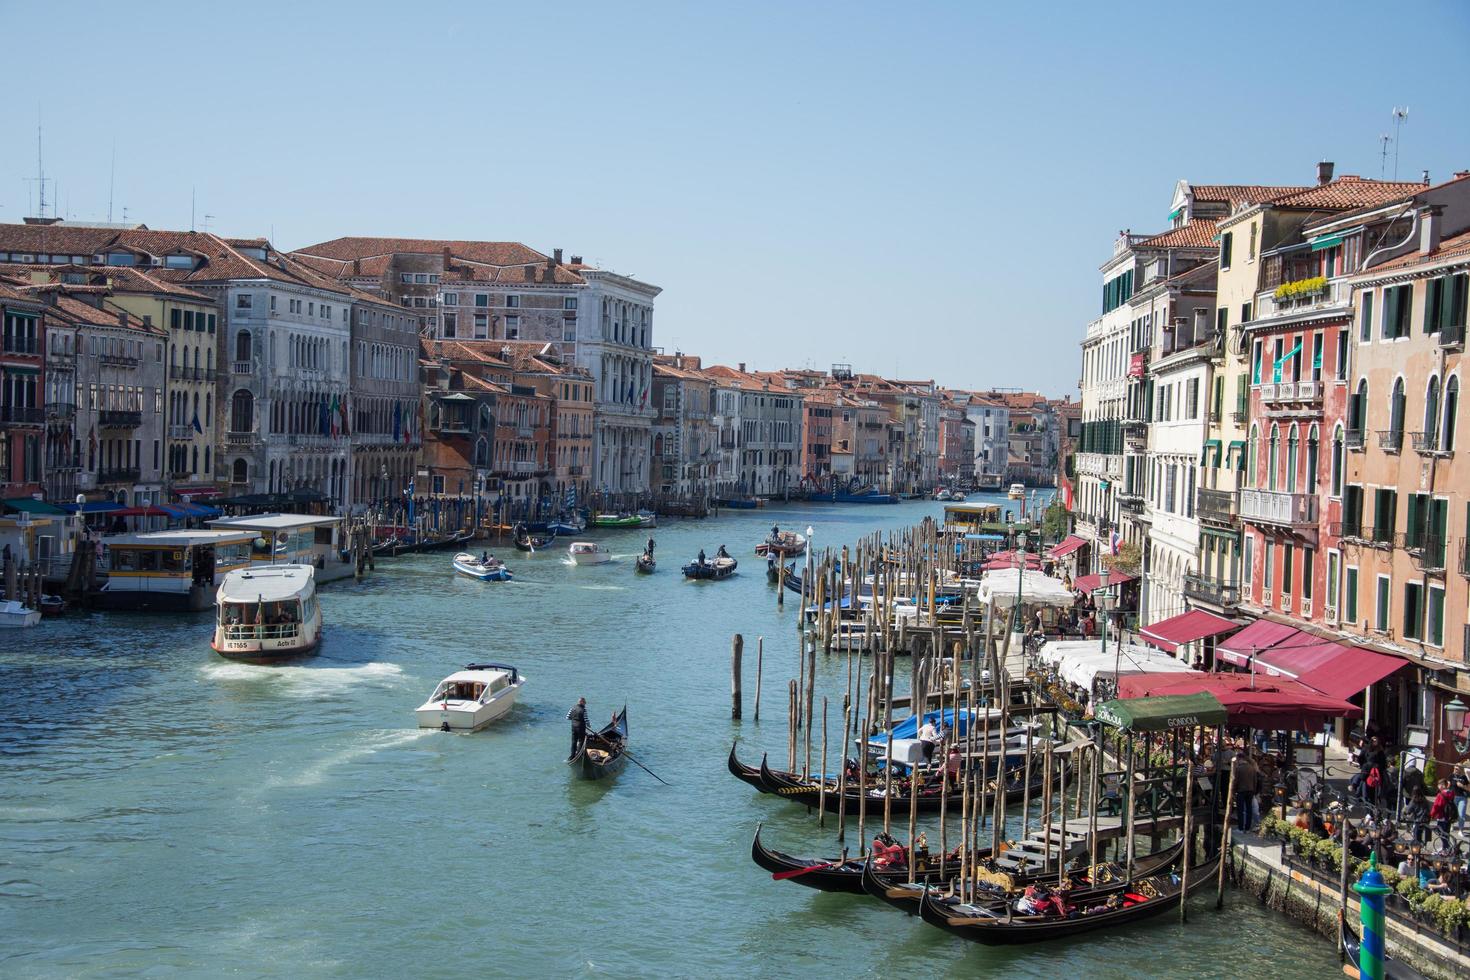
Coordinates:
[744,773]
[645,565]
[835,875]
[809,792]
[604,752]
[998,887]
[526,541]
[1142,897]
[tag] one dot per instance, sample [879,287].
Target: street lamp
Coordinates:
[1103,601]
[1454,720]
[1020,556]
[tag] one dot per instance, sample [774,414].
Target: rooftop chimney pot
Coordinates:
[576,260]
[1324,172]
[742,367]
[448,258]
[1429,228]
[556,255]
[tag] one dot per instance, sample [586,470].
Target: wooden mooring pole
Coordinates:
[737,648]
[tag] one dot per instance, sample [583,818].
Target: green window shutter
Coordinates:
[1225,241]
[1390,311]
[1412,612]
[1433,302]
[1407,313]
[1350,596]
[1308,560]
[1365,324]
[1439,517]
[1380,609]
[1222,320]
[1434,628]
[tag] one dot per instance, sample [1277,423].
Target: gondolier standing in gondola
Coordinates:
[648,549]
[578,717]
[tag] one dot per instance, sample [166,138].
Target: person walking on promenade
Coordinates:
[1247,783]
[578,717]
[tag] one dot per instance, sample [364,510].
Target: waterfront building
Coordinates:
[384,395]
[22,392]
[1069,430]
[505,291]
[685,450]
[1178,313]
[991,418]
[568,442]
[765,456]
[956,442]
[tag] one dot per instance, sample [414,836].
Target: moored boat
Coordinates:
[486,568]
[1017,491]
[469,699]
[739,503]
[617,520]
[52,605]
[588,553]
[647,518]
[267,612]
[603,752]
[16,614]
[567,524]
[782,544]
[840,874]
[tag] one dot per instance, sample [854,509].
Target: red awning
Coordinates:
[1091,583]
[141,512]
[1267,703]
[1067,545]
[1011,561]
[1335,669]
[1196,624]
[1258,636]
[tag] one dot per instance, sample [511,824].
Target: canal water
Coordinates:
[164,811]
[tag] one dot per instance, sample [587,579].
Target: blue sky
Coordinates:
[921,190]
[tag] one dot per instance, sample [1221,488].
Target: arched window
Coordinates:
[240,471]
[1336,483]
[1273,458]
[242,346]
[1252,478]
[1396,407]
[1291,460]
[1312,480]
[1358,408]
[242,413]
[1431,413]
[482,452]
[195,467]
[209,360]
[206,462]
[1451,404]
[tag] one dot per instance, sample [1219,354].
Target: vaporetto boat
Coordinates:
[267,612]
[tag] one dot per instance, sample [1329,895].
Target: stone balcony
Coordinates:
[1295,510]
[1217,506]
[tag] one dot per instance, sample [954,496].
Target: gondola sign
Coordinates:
[1164,713]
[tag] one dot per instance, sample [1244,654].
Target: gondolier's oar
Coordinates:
[645,768]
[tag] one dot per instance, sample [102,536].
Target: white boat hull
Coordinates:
[465,716]
[271,641]
[20,620]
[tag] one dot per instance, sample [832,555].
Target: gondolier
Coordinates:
[578,717]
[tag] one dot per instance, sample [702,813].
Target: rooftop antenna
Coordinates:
[111,180]
[1400,116]
[191,209]
[40,178]
[207,219]
[1385,139]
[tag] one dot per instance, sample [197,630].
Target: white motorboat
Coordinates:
[16,614]
[589,553]
[1017,491]
[958,496]
[468,700]
[267,611]
[943,494]
[647,518]
[485,568]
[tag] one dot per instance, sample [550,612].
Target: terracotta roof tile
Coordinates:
[489,253]
[1199,233]
[1236,194]
[1456,246]
[1347,192]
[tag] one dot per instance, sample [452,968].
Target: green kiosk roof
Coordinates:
[1163,713]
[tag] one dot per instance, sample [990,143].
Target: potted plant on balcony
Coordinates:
[1290,292]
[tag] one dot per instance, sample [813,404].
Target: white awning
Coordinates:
[1082,662]
[1037,589]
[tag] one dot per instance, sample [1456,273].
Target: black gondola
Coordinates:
[526,541]
[742,772]
[1142,897]
[998,887]
[604,752]
[645,565]
[809,793]
[833,875]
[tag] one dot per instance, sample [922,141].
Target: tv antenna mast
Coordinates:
[40,178]
[1385,139]
[1400,116]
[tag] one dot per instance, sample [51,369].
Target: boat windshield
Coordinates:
[260,620]
[460,691]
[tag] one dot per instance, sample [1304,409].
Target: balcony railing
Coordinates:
[1202,589]
[1452,337]
[118,475]
[240,367]
[523,466]
[119,360]
[1216,506]
[576,469]
[1351,529]
[525,432]
[22,345]
[180,431]
[1130,502]
[17,415]
[119,418]
[1279,508]
[1390,440]
[1241,415]
[242,440]
[1428,444]
[1332,293]
[1213,416]
[1353,439]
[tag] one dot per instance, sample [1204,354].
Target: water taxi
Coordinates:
[267,612]
[782,544]
[468,700]
[485,568]
[16,614]
[588,553]
[1017,491]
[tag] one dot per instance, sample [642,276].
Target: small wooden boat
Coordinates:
[1139,898]
[746,774]
[52,605]
[16,614]
[588,553]
[470,699]
[705,571]
[617,520]
[783,544]
[604,752]
[840,874]
[526,541]
[645,564]
[486,568]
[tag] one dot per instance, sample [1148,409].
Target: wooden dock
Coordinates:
[1046,846]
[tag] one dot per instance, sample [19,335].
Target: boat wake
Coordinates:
[366,744]
[302,681]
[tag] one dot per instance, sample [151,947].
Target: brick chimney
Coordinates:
[122,318]
[448,259]
[530,273]
[576,260]
[742,367]
[556,255]
[357,267]
[1429,228]
[1324,172]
